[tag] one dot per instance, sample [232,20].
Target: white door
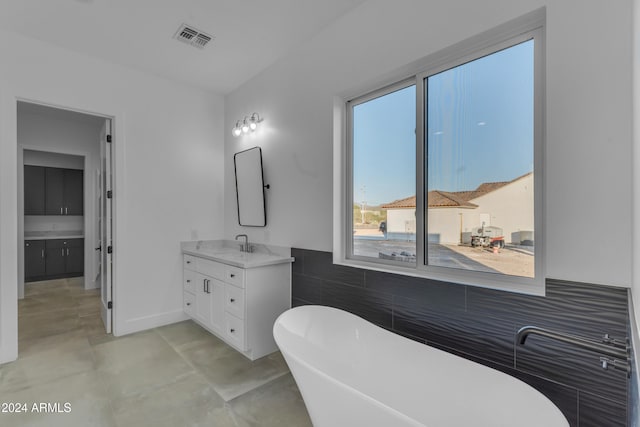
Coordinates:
[106,225]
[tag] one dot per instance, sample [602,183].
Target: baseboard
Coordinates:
[148,322]
[91,284]
[7,356]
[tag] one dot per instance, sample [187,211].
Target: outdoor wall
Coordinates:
[444,224]
[510,208]
[401,221]
[168,148]
[588,120]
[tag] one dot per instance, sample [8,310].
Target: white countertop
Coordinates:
[228,252]
[54,234]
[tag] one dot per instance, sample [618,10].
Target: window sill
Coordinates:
[516,284]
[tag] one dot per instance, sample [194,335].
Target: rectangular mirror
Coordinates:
[250,188]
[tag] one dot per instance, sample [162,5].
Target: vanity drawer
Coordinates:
[189,281]
[234,276]
[189,262]
[211,268]
[234,300]
[234,331]
[189,303]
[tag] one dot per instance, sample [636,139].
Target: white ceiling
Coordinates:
[249,35]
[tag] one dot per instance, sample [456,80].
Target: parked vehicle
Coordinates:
[487,237]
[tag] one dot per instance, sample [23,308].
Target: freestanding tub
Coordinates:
[353,373]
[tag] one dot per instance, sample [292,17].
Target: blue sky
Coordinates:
[479,129]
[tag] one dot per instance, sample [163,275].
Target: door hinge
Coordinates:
[108,138]
[110,305]
[109,194]
[109,249]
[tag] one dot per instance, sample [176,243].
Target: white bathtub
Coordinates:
[352,373]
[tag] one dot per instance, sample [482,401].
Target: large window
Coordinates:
[443,171]
[479,164]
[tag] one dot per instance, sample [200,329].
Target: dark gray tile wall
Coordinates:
[480,324]
[633,401]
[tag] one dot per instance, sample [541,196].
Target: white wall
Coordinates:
[444,223]
[49,159]
[56,132]
[401,220]
[168,147]
[588,119]
[510,208]
[635,292]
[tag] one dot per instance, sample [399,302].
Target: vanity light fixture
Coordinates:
[246,125]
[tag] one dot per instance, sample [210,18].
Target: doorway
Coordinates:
[60,233]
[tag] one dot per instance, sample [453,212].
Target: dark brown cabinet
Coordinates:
[53,191]
[53,259]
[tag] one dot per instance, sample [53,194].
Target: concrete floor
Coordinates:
[515,261]
[176,375]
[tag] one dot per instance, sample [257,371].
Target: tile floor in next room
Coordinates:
[176,375]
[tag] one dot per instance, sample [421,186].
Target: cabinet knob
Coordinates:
[188,303]
[232,330]
[233,275]
[232,300]
[188,281]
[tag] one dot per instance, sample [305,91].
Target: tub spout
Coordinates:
[620,355]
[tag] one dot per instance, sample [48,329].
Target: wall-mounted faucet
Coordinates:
[609,347]
[245,247]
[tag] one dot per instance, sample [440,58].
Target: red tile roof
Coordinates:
[407,202]
[456,199]
[435,199]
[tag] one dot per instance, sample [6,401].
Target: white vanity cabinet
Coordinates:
[239,305]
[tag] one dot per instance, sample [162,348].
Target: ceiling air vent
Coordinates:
[190,35]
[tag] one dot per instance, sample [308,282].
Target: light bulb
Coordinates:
[253,121]
[236,131]
[245,126]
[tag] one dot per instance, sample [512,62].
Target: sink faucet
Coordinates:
[245,247]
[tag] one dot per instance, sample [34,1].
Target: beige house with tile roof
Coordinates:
[452,216]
